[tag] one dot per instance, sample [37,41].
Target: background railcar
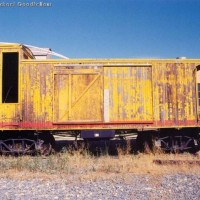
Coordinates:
[96,98]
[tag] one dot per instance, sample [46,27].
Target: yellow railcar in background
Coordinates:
[96,98]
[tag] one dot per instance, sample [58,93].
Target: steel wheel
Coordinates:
[46,143]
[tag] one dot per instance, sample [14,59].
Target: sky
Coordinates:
[106,28]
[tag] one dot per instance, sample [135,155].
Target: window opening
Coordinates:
[10,77]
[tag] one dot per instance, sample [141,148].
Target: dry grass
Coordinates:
[85,166]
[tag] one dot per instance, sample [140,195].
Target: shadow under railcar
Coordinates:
[97,147]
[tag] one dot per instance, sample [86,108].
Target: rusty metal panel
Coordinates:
[174,93]
[198,90]
[77,97]
[36,94]
[130,93]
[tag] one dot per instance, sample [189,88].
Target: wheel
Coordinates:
[46,143]
[46,149]
[198,145]
[145,142]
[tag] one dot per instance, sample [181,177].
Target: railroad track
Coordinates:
[176,162]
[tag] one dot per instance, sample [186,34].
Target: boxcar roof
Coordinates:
[103,61]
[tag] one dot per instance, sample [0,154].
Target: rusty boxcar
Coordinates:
[158,99]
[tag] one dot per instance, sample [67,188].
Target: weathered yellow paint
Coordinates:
[174,92]
[37,93]
[130,90]
[10,113]
[161,91]
[86,97]
[61,97]
[74,94]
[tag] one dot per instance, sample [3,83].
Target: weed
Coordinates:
[81,163]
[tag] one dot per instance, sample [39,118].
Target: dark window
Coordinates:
[10,78]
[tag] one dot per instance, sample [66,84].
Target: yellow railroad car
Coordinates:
[96,98]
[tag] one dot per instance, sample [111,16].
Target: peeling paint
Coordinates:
[161,94]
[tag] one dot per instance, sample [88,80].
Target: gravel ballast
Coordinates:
[176,186]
